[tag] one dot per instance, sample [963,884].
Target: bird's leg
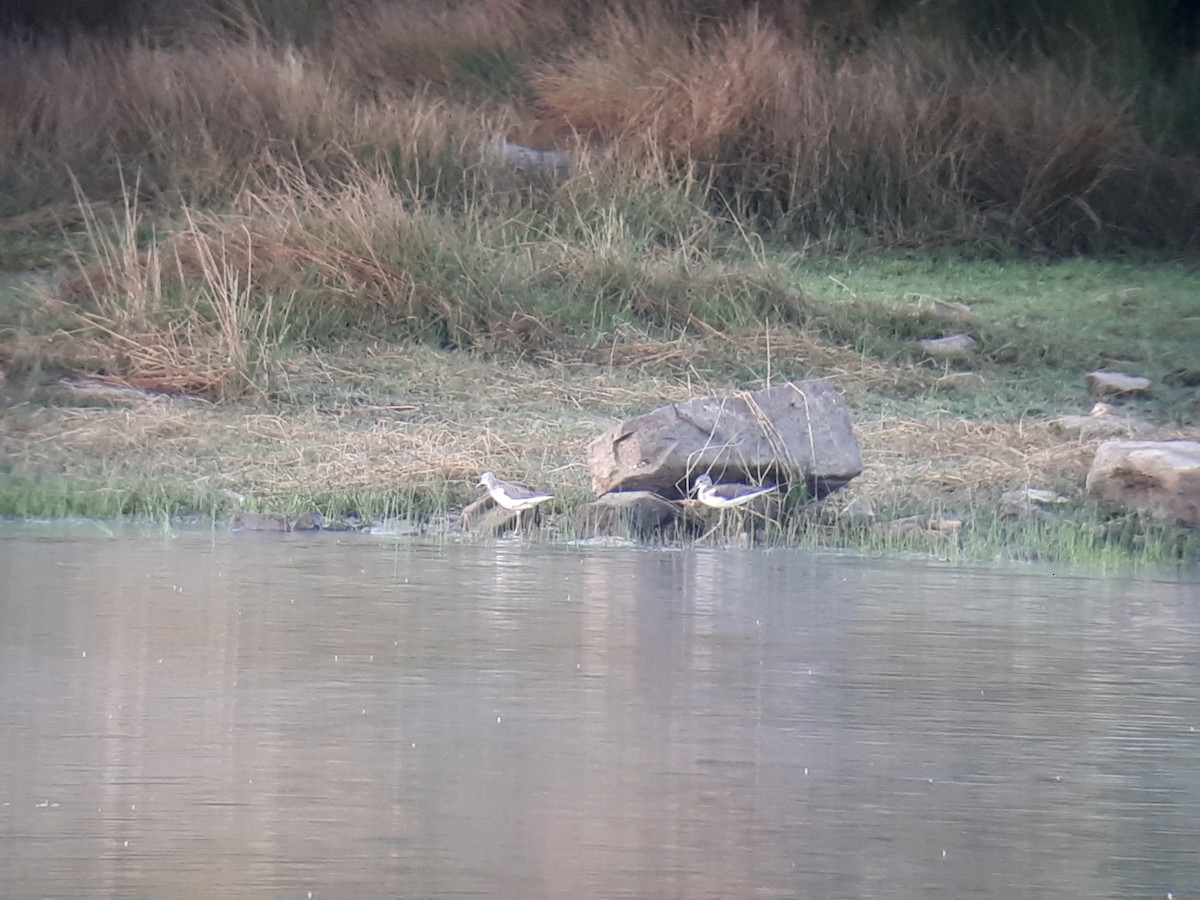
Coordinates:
[714,529]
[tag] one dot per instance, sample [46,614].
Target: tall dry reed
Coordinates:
[905,137]
[911,139]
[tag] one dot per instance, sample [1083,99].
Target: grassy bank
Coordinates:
[401,429]
[335,292]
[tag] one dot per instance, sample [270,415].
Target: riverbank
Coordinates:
[244,271]
[377,431]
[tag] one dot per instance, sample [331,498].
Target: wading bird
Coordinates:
[516,497]
[726,496]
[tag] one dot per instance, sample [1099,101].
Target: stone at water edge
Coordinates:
[795,432]
[1116,384]
[1161,478]
[486,516]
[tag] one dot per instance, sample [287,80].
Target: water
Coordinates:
[284,715]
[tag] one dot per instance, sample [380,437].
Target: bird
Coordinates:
[726,496]
[516,497]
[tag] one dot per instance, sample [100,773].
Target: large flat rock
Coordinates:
[1161,478]
[796,432]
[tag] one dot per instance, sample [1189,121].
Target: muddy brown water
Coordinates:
[201,714]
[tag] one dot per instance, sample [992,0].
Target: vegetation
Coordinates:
[298,216]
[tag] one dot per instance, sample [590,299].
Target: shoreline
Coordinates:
[401,433]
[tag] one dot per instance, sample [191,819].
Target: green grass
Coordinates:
[27,497]
[1041,325]
[1085,538]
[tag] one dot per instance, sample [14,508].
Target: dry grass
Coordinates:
[912,139]
[689,356]
[201,303]
[906,138]
[202,118]
[417,419]
[965,464]
[374,420]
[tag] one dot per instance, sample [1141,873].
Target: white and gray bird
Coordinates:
[516,497]
[725,496]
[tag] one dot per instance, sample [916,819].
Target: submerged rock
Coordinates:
[796,432]
[486,516]
[1160,478]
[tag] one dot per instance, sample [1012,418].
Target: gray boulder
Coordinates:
[1161,478]
[798,432]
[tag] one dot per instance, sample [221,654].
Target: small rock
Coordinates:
[1116,384]
[348,522]
[1160,478]
[951,345]
[310,521]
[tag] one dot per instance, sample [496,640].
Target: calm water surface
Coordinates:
[238,715]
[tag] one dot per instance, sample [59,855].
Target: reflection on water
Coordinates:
[232,715]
